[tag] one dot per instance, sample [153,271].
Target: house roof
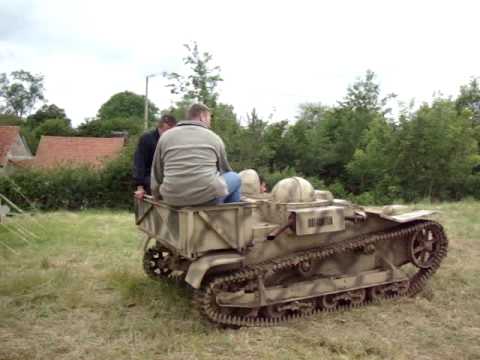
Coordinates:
[8,137]
[73,151]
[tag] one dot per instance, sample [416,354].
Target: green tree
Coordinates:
[55,127]
[302,137]
[107,127]
[311,113]
[50,127]
[255,125]
[328,137]
[127,105]
[469,98]
[278,149]
[247,143]
[371,168]
[46,112]
[225,123]
[20,92]
[200,82]
[10,119]
[364,95]
[436,152]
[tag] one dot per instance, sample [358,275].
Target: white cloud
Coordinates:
[273,54]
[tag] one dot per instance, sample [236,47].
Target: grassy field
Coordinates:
[78,292]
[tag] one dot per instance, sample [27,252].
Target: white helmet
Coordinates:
[250,182]
[294,189]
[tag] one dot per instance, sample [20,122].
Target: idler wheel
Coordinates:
[156,263]
[424,246]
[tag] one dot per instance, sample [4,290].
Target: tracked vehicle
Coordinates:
[294,252]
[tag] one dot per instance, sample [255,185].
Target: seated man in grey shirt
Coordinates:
[190,165]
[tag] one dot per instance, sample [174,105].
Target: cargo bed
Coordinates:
[191,231]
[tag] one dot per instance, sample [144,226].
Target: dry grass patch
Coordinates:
[79,292]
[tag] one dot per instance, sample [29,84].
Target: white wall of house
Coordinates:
[19,150]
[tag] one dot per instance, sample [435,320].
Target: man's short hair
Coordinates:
[195,110]
[167,119]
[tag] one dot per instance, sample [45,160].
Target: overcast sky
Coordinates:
[274,55]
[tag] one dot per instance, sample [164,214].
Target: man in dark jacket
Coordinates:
[144,155]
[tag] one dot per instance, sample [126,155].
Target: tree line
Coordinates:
[357,148]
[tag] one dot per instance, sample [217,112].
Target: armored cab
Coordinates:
[291,253]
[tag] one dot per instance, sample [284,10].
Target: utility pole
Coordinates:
[146,103]
[146,98]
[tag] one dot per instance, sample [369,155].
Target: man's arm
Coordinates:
[156,177]
[223,164]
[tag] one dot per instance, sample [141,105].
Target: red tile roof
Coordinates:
[73,151]
[8,136]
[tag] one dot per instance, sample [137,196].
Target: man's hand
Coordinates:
[140,193]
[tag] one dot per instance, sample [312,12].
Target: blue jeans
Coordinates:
[233,183]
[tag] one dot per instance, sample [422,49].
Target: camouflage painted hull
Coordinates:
[284,289]
[258,264]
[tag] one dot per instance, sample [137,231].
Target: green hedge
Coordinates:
[111,187]
[73,188]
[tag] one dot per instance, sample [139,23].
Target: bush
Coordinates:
[338,190]
[116,179]
[365,198]
[105,127]
[473,186]
[274,177]
[62,188]
[316,182]
[73,188]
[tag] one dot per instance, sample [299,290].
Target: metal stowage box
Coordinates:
[319,220]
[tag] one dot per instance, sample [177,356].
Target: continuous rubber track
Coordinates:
[205,298]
